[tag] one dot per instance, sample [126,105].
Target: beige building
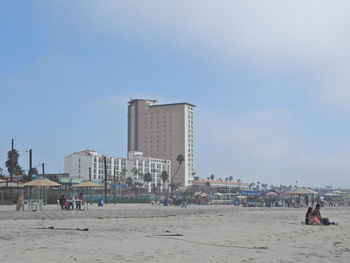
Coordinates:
[163,131]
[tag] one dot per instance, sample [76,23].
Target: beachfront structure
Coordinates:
[164,131]
[222,184]
[80,164]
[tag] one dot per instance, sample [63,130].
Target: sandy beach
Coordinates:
[145,233]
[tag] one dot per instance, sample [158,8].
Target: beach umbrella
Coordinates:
[41,183]
[271,194]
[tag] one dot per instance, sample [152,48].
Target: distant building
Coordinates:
[163,131]
[222,184]
[78,164]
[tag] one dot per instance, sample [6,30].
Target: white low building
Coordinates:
[222,184]
[88,163]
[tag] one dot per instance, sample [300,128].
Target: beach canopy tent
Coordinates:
[340,193]
[331,194]
[251,193]
[304,191]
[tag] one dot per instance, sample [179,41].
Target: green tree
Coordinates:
[147,177]
[180,159]
[212,177]
[264,186]
[12,163]
[53,177]
[231,178]
[135,172]
[34,171]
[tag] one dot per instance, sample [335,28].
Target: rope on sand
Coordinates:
[63,228]
[170,236]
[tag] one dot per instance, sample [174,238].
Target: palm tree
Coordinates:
[230,178]
[123,174]
[135,172]
[180,159]
[129,183]
[164,176]
[147,178]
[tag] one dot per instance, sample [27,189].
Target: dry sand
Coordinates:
[133,233]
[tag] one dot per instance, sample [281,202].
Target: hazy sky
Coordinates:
[270,80]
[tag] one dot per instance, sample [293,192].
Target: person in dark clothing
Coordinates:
[79,201]
[62,201]
[308,214]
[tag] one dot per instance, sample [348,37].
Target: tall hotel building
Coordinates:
[163,131]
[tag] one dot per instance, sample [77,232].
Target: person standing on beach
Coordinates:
[184,203]
[61,201]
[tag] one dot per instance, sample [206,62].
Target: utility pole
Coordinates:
[105,161]
[90,187]
[30,165]
[115,187]
[11,161]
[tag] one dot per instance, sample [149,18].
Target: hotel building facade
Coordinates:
[164,131]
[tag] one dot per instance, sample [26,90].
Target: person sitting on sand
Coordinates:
[307,216]
[80,201]
[317,215]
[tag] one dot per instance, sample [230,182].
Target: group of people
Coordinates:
[68,204]
[313,217]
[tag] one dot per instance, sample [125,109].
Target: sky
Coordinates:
[270,80]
